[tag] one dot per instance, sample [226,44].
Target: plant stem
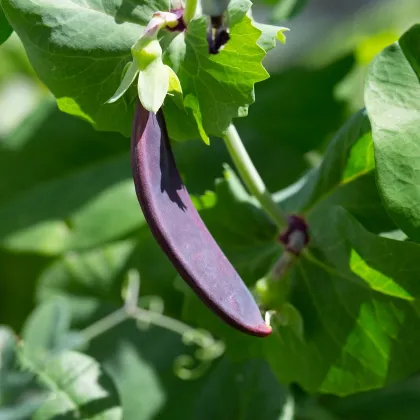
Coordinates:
[281,266]
[189,11]
[103,325]
[160,320]
[251,177]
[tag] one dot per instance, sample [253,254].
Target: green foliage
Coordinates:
[84,71]
[206,79]
[79,388]
[71,229]
[5,28]
[43,333]
[393,103]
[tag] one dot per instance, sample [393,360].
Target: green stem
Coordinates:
[160,320]
[251,177]
[103,325]
[189,11]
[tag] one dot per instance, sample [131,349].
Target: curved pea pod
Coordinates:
[179,230]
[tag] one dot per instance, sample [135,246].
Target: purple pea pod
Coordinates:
[180,231]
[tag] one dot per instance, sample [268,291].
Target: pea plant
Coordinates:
[264,293]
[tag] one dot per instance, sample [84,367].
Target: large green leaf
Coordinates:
[80,388]
[5,28]
[358,307]
[392,96]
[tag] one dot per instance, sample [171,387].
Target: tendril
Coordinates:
[187,367]
[150,313]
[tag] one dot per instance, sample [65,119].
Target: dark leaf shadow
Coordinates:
[170,181]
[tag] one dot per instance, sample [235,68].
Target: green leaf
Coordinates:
[44,331]
[269,35]
[222,84]
[344,160]
[191,103]
[358,310]
[392,96]
[361,158]
[367,255]
[5,29]
[94,205]
[129,76]
[80,388]
[361,198]
[79,49]
[19,395]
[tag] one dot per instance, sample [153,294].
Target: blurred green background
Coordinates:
[70,224]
